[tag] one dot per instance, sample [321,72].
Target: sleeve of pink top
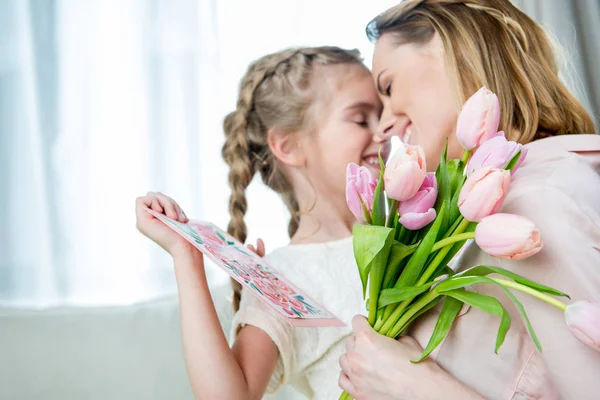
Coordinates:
[563,200]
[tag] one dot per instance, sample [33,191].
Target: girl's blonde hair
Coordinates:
[275,94]
[492,43]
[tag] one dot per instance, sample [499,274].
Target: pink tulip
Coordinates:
[405,173]
[496,153]
[418,211]
[479,119]
[483,193]
[360,188]
[508,236]
[583,320]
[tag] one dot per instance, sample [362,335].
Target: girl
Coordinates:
[429,57]
[302,115]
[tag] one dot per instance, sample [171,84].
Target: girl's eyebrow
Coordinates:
[361,105]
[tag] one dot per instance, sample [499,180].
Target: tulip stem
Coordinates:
[465,157]
[392,214]
[453,239]
[532,292]
[392,319]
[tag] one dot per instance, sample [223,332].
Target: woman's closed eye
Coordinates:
[388,89]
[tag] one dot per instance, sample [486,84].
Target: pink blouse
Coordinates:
[558,188]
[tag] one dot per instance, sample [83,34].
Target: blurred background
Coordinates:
[104,100]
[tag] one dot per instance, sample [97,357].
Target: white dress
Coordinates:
[308,357]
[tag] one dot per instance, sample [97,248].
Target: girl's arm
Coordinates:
[215,370]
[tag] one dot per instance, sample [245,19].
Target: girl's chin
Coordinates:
[375,169]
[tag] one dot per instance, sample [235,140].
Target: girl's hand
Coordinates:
[259,249]
[376,367]
[156,230]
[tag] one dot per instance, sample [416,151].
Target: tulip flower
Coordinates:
[405,173]
[483,193]
[508,236]
[360,188]
[479,119]
[583,320]
[496,153]
[418,211]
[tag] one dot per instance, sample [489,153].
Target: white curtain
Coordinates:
[575,26]
[102,100]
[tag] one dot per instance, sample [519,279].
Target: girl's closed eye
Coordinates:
[362,122]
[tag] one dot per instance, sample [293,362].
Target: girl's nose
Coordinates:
[384,130]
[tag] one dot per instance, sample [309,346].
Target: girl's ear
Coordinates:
[286,148]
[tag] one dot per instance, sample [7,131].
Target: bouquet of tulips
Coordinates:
[415,222]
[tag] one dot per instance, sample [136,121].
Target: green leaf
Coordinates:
[482,270]
[455,174]
[458,245]
[485,303]
[414,268]
[422,311]
[444,188]
[365,211]
[447,316]
[396,295]
[395,263]
[367,242]
[458,282]
[455,225]
[378,267]
[512,163]
[378,211]
[523,313]
[454,211]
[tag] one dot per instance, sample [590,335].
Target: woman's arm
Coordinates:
[376,367]
[569,221]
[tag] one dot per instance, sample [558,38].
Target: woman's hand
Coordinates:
[376,367]
[155,229]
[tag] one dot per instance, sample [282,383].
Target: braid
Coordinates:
[236,153]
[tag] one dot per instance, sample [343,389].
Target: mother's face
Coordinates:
[417,96]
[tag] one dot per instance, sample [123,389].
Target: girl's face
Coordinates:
[417,96]
[347,114]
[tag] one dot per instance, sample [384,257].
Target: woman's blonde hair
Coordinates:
[492,43]
[275,94]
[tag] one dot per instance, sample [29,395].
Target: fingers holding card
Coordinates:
[254,273]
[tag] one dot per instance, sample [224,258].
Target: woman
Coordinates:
[429,57]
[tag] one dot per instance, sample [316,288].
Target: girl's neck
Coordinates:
[323,222]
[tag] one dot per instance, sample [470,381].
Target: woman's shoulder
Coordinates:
[567,165]
[564,151]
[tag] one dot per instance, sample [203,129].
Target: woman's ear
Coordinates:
[286,148]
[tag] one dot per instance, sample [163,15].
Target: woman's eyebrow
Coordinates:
[379,89]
